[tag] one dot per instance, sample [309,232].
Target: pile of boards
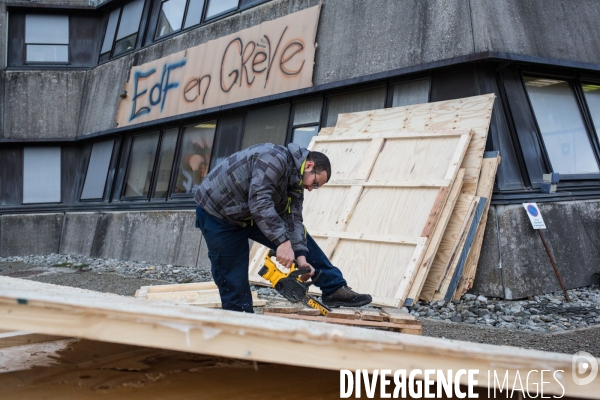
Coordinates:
[404,212]
[391,319]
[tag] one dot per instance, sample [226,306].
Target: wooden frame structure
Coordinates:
[330,212]
[56,310]
[381,205]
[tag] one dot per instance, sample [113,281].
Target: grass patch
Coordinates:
[70,265]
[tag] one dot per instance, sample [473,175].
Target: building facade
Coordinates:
[75,181]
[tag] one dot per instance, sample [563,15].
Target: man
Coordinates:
[257,194]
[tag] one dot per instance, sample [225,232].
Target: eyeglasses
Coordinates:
[315,184]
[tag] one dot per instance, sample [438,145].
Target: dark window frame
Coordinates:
[292,126]
[122,196]
[177,158]
[156,5]
[574,83]
[108,182]
[140,32]
[46,63]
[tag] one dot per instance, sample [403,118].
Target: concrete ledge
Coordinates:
[166,237]
[27,234]
[525,264]
[78,233]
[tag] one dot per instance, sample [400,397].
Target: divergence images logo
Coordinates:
[585,368]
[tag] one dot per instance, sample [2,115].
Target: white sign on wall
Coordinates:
[535,216]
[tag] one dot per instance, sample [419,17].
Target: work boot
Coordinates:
[346,297]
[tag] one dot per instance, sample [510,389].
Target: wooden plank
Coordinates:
[448,246]
[65,311]
[433,246]
[371,315]
[309,311]
[491,160]
[392,184]
[392,134]
[452,279]
[343,313]
[20,338]
[468,113]
[275,309]
[416,325]
[369,238]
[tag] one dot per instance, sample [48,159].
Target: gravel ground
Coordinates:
[542,322]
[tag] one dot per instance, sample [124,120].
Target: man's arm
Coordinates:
[268,170]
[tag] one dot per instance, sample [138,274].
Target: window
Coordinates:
[561,125]
[166,156]
[266,125]
[216,7]
[125,23]
[41,175]
[47,38]
[196,151]
[95,179]
[172,13]
[307,116]
[592,96]
[411,92]
[371,99]
[228,138]
[141,164]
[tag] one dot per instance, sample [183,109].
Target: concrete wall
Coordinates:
[514,257]
[42,104]
[559,29]
[166,237]
[355,38]
[30,234]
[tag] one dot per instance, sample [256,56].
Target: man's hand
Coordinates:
[285,254]
[303,264]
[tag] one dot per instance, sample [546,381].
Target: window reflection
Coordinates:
[196,149]
[561,124]
[143,152]
[171,17]
[592,96]
[165,163]
[304,135]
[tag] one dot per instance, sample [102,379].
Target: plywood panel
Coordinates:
[485,188]
[468,113]
[448,246]
[322,208]
[434,244]
[57,310]
[428,160]
[397,211]
[343,157]
[406,211]
[375,268]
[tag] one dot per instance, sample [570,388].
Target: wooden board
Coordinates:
[19,338]
[446,291]
[410,327]
[57,310]
[471,113]
[485,188]
[434,244]
[449,246]
[375,216]
[203,294]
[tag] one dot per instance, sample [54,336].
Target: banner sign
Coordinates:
[535,216]
[273,57]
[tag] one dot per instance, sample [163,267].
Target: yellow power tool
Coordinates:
[290,285]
